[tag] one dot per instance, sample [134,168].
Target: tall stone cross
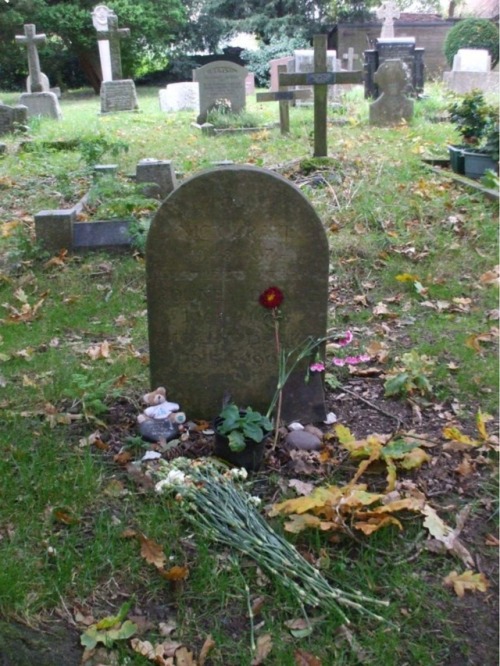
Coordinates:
[320,79]
[284,97]
[388,12]
[111,34]
[31,39]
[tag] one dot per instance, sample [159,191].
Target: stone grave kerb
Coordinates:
[217,242]
[30,39]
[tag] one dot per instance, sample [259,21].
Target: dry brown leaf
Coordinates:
[175,573]
[208,645]
[301,487]
[263,648]
[152,552]
[303,658]
[468,580]
[491,540]
[183,657]
[96,352]
[491,277]
[257,605]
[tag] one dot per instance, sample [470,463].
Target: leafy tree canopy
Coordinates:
[68,25]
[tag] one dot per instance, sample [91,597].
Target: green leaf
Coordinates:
[236,441]
[398,449]
[396,385]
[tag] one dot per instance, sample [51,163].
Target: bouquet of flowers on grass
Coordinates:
[210,499]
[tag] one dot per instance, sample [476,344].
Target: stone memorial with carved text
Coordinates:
[215,245]
[221,80]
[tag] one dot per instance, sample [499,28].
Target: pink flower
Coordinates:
[317,367]
[346,340]
[339,361]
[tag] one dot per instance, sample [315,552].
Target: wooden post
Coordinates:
[284,97]
[320,79]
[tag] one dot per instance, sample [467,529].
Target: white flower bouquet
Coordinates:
[211,500]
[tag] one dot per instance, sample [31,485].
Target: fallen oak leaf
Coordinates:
[468,580]
[152,552]
[183,657]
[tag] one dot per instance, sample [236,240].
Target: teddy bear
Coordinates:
[158,408]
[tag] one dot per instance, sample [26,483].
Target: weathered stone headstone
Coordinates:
[183,96]
[472,70]
[284,97]
[349,58]
[398,48]
[287,61]
[117,93]
[220,80]
[157,176]
[392,106]
[38,100]
[217,242]
[320,79]
[388,12]
[12,118]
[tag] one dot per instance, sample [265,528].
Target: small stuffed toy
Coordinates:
[159,409]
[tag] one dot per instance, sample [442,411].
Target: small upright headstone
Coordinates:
[158,177]
[392,107]
[286,61]
[215,245]
[472,60]
[182,96]
[117,93]
[250,84]
[472,70]
[38,100]
[12,118]
[220,80]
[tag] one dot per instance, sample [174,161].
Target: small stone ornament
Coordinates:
[161,420]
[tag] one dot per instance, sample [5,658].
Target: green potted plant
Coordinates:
[477,123]
[240,436]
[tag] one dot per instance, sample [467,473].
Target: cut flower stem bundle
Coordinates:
[211,501]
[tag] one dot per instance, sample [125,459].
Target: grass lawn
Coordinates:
[83,536]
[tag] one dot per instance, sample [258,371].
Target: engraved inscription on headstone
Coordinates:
[221,80]
[216,243]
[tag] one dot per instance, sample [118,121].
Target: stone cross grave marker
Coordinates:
[112,34]
[388,12]
[30,39]
[284,97]
[349,57]
[320,79]
[100,22]
[215,245]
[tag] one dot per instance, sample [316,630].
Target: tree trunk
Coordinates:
[91,68]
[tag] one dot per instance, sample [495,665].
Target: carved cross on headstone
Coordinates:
[113,35]
[388,12]
[284,97]
[320,79]
[30,39]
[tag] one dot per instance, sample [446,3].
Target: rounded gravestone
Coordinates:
[217,242]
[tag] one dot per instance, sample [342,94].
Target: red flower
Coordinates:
[271,298]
